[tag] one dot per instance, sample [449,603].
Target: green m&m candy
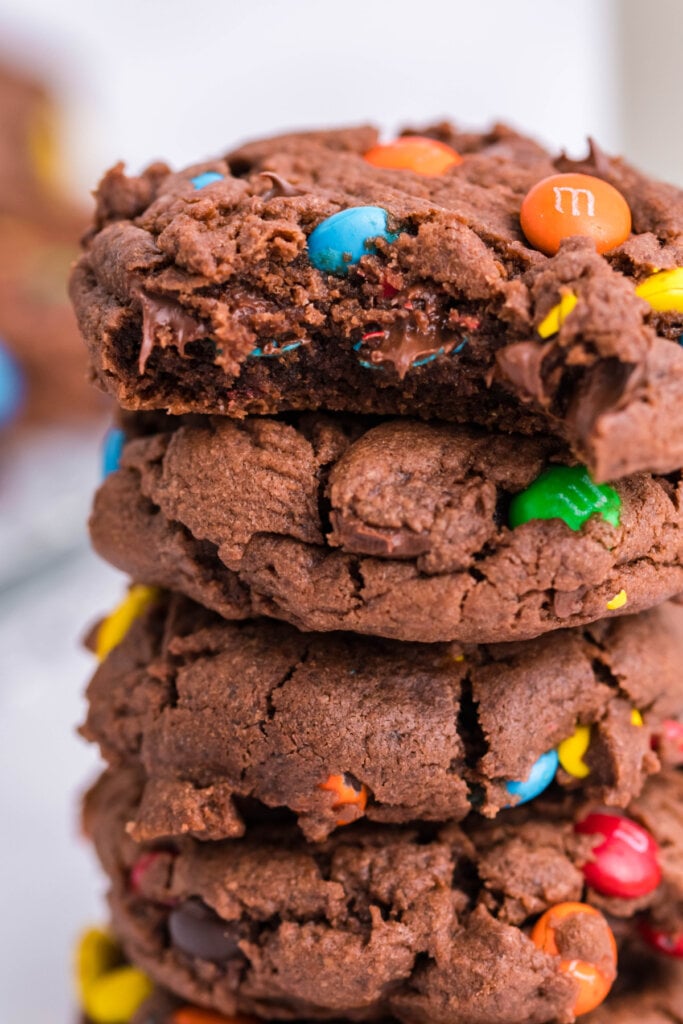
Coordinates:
[567,493]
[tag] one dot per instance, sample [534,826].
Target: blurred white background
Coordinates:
[142,79]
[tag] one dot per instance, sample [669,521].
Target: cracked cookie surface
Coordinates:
[397,530]
[204,299]
[216,713]
[376,921]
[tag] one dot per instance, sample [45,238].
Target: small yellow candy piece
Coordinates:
[664,290]
[96,953]
[618,601]
[115,626]
[117,995]
[636,717]
[459,657]
[557,315]
[572,750]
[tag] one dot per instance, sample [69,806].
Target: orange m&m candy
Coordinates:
[594,980]
[414,153]
[348,795]
[574,204]
[195,1015]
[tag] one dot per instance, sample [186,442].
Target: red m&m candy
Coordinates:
[414,153]
[663,942]
[668,742]
[574,204]
[141,867]
[625,863]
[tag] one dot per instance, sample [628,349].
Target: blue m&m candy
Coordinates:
[340,241]
[111,451]
[207,178]
[538,779]
[12,386]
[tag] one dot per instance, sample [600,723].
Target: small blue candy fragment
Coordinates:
[538,779]
[347,234]
[367,365]
[12,386]
[207,178]
[274,349]
[111,451]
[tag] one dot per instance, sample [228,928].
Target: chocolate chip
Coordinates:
[196,930]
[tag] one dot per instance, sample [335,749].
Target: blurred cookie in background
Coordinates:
[43,367]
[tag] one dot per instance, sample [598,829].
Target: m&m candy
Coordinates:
[349,793]
[115,626]
[195,1015]
[12,386]
[663,290]
[574,204]
[111,451]
[668,741]
[663,942]
[571,752]
[594,980]
[414,153]
[142,865]
[342,239]
[110,991]
[567,493]
[625,863]
[207,178]
[620,600]
[558,314]
[538,779]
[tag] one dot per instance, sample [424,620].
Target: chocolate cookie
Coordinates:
[429,924]
[234,287]
[652,993]
[39,228]
[407,530]
[337,727]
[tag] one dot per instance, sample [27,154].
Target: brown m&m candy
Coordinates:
[564,205]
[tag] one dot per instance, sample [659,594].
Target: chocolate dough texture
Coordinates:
[397,530]
[648,991]
[416,923]
[187,297]
[217,712]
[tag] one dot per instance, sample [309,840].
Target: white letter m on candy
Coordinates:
[574,193]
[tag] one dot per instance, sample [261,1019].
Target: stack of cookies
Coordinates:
[391,710]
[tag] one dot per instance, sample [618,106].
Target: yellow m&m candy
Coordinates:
[663,290]
[117,995]
[115,626]
[571,752]
[110,992]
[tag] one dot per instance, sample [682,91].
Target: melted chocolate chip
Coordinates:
[280,187]
[198,931]
[165,322]
[353,534]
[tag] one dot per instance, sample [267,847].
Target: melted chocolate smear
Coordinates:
[196,930]
[165,322]
[522,364]
[405,342]
[280,187]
